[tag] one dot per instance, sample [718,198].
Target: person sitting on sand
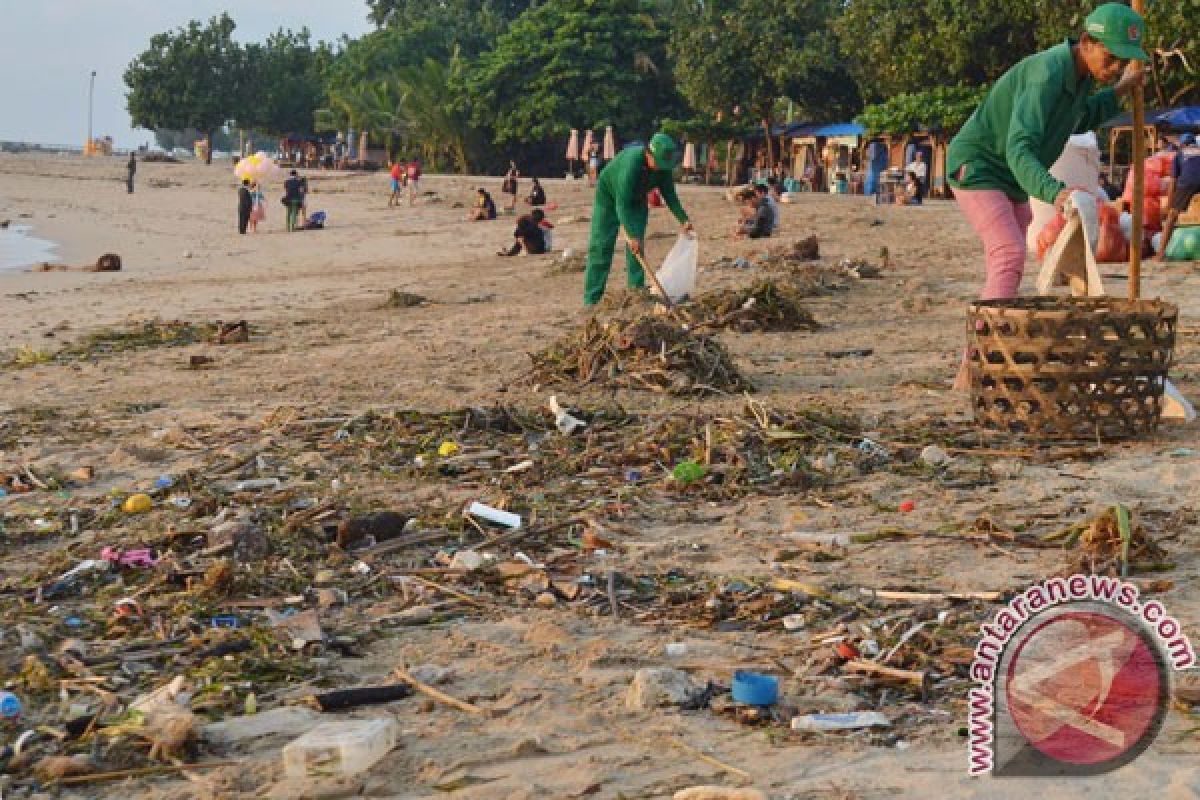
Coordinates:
[755,220]
[485,207]
[913,193]
[529,234]
[764,197]
[537,195]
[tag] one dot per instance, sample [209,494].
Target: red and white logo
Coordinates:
[1134,33]
[1084,688]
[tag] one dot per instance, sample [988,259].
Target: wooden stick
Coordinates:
[441,697]
[1139,181]
[920,597]
[654,279]
[612,593]
[466,598]
[142,771]
[707,759]
[921,680]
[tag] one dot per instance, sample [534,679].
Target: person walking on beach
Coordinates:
[509,187]
[293,198]
[397,173]
[621,207]
[245,205]
[1001,156]
[593,164]
[414,176]
[130,169]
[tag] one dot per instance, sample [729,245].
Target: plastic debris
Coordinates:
[505,518]
[840,722]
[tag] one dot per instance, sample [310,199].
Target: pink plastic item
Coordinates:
[142,557]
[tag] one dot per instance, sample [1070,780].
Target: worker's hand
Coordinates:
[689,228]
[1060,201]
[1134,75]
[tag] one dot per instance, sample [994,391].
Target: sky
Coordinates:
[48,49]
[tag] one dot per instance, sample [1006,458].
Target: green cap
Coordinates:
[1119,28]
[664,150]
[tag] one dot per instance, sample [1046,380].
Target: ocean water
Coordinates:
[19,249]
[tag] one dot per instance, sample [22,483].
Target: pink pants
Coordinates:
[1001,224]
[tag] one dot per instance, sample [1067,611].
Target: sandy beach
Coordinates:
[324,344]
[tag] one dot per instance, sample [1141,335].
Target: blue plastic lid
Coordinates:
[755,689]
[10,705]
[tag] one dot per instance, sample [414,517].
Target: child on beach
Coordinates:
[258,206]
[397,173]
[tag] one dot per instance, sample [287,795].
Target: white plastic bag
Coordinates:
[678,273]
[1079,166]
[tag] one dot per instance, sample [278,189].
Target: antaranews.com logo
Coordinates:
[1072,679]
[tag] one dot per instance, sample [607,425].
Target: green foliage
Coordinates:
[1172,40]
[286,83]
[190,78]
[467,23]
[908,46]
[749,53]
[943,108]
[574,63]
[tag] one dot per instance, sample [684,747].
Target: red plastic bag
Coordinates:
[1049,234]
[1111,247]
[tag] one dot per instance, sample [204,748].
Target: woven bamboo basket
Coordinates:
[1070,367]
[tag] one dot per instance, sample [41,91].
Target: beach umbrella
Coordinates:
[689,156]
[610,144]
[588,141]
[573,146]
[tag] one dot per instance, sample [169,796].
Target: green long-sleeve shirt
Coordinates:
[628,181]
[1024,123]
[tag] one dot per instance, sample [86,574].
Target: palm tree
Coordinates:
[375,108]
[424,107]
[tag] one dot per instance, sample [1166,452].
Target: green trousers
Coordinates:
[601,243]
[293,213]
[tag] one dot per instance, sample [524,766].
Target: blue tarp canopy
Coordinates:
[831,129]
[1185,118]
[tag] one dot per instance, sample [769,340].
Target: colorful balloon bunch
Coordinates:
[258,167]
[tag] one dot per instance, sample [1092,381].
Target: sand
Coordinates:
[322,344]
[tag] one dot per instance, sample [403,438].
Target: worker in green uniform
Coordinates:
[1002,155]
[621,207]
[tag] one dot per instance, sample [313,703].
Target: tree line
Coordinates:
[468,84]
